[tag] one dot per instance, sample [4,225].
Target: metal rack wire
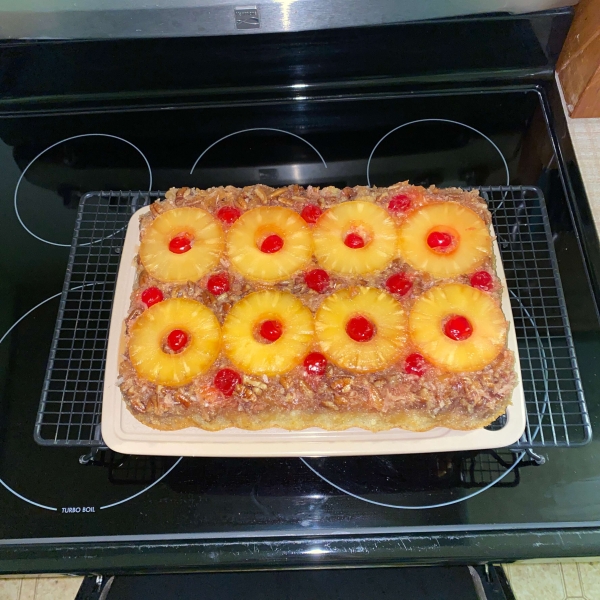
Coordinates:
[70,406]
[482,468]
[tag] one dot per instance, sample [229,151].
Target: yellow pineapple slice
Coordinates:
[268,333]
[254,256]
[361,329]
[444,239]
[167,262]
[437,327]
[354,238]
[148,346]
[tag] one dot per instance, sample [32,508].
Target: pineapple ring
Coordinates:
[253,357]
[472,243]
[207,245]
[150,330]
[377,306]
[371,222]
[432,309]
[253,227]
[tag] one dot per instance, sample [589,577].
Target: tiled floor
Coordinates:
[555,581]
[39,588]
[548,581]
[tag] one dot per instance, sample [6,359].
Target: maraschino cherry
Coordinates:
[360,329]
[177,340]
[218,284]
[399,203]
[226,380]
[354,241]
[482,280]
[458,328]
[271,244]
[151,296]
[317,280]
[311,213]
[180,244]
[315,364]
[271,330]
[415,364]
[229,214]
[399,284]
[439,240]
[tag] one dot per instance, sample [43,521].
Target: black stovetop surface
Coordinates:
[253,497]
[341,91]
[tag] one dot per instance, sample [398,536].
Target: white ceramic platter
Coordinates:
[123,433]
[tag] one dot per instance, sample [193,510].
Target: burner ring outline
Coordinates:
[477,492]
[52,508]
[258,129]
[74,137]
[145,489]
[437,121]
[403,507]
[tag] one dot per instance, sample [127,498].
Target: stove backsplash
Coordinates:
[44,75]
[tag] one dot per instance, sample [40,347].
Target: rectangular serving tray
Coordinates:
[122,432]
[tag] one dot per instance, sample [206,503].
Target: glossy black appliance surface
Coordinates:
[51,497]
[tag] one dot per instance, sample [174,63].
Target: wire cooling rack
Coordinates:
[70,407]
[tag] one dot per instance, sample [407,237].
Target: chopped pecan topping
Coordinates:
[434,394]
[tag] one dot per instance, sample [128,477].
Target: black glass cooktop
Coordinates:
[465,138]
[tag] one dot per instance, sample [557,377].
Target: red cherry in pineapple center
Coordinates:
[271,330]
[458,328]
[271,244]
[177,340]
[180,244]
[226,380]
[439,240]
[353,240]
[315,364]
[360,329]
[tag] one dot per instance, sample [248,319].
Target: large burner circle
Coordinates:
[93,501]
[79,174]
[431,135]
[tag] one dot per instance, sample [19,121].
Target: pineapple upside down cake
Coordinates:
[363,307]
